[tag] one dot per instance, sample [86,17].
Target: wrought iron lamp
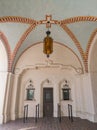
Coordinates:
[48,44]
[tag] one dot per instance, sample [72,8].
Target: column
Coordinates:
[8,96]
[14,108]
[3,79]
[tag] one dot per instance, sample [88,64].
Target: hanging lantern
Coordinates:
[48,44]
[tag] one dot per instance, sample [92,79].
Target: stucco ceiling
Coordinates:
[77,23]
[37,9]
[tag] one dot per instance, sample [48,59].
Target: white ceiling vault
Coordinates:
[73,23]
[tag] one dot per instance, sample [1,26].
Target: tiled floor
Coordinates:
[49,124]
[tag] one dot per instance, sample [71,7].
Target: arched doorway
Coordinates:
[47,98]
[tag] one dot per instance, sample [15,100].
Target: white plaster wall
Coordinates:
[3,78]
[93,58]
[61,54]
[94,89]
[37,70]
[3,58]
[64,103]
[38,76]
[84,97]
[81,92]
[93,73]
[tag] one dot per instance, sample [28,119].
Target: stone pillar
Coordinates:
[3,79]
[14,108]
[56,99]
[8,96]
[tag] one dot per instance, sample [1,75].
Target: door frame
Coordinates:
[52,98]
[45,84]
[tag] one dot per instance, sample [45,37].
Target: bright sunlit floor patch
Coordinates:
[28,128]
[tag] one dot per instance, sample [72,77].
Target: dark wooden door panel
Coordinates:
[48,101]
[48,109]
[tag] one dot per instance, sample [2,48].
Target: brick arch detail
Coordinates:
[7,47]
[20,42]
[77,43]
[16,19]
[62,23]
[23,20]
[79,19]
[30,21]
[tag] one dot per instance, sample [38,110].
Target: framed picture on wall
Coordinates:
[66,93]
[30,94]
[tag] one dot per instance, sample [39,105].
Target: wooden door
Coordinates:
[48,102]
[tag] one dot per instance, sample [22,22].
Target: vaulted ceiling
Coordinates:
[73,23]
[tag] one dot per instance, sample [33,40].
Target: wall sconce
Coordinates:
[48,44]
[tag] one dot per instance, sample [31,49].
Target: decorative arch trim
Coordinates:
[30,21]
[62,23]
[7,47]
[56,43]
[26,33]
[79,19]
[76,42]
[17,19]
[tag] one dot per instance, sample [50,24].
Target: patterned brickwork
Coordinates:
[16,19]
[75,41]
[79,19]
[22,20]
[82,19]
[20,42]
[62,23]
